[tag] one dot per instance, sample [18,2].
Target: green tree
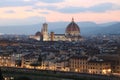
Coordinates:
[1,76]
[39,60]
[22,78]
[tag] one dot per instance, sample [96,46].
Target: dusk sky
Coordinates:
[18,12]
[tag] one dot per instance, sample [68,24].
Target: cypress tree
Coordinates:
[40,60]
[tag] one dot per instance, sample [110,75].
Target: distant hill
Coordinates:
[61,26]
[111,29]
[90,28]
[86,28]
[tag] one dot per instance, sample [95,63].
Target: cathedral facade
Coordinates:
[72,33]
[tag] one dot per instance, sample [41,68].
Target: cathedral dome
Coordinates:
[72,29]
[38,33]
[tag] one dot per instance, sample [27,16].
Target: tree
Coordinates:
[40,60]
[1,76]
[22,78]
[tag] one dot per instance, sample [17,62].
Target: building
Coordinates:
[62,65]
[99,67]
[72,33]
[44,32]
[78,64]
[115,62]
[92,65]
[28,60]
[6,60]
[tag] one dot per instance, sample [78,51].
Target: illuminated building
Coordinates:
[72,33]
[52,36]
[115,62]
[78,64]
[99,67]
[29,59]
[6,60]
[44,32]
[84,64]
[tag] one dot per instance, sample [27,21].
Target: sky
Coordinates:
[19,12]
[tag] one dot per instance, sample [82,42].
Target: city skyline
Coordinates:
[60,39]
[19,12]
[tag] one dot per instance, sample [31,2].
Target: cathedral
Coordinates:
[72,33]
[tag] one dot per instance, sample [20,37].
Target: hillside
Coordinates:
[86,28]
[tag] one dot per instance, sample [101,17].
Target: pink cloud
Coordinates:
[21,13]
[88,16]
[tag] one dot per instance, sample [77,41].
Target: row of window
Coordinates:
[4,57]
[4,61]
[98,64]
[98,68]
[96,72]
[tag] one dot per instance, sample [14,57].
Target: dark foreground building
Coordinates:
[1,77]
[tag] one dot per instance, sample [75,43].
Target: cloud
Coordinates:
[29,10]
[24,21]
[10,11]
[101,7]
[87,3]
[26,0]
[78,9]
[11,3]
[44,13]
[72,10]
[116,7]
[51,1]
[96,8]
[47,7]
[59,10]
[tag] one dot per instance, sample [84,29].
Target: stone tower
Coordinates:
[45,32]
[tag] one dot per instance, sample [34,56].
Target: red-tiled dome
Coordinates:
[72,29]
[38,33]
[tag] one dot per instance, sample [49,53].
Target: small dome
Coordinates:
[72,29]
[38,33]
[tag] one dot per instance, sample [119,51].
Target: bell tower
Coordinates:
[45,32]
